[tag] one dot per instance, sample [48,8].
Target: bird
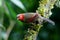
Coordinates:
[32,17]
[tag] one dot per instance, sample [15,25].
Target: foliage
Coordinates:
[8,12]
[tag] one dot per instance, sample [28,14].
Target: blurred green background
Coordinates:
[9,10]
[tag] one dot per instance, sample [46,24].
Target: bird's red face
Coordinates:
[20,17]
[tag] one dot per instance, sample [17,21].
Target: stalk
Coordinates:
[44,10]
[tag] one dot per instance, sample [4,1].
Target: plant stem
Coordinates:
[44,10]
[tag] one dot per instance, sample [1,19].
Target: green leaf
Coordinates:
[19,4]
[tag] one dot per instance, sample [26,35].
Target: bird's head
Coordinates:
[20,17]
